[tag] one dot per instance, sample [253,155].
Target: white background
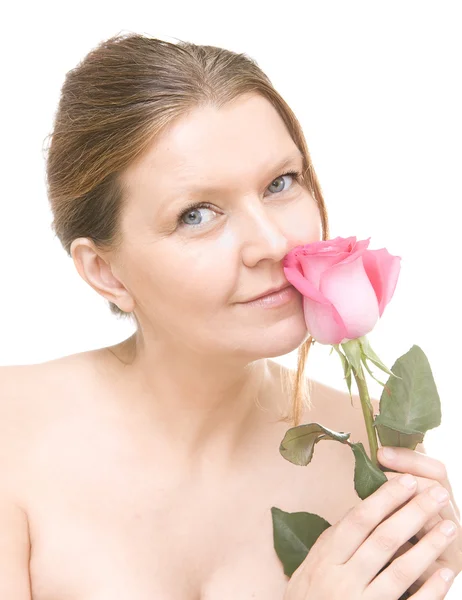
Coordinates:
[377,88]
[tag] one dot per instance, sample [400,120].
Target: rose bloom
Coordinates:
[346,287]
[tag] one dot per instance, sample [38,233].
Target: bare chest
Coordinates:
[111,517]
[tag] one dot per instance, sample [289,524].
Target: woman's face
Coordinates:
[187,271]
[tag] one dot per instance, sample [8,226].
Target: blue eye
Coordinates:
[189,210]
[292,174]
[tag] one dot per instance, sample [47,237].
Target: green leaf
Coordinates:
[298,443]
[352,351]
[411,405]
[367,351]
[294,534]
[392,437]
[368,478]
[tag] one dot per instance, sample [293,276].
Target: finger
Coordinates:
[428,526]
[406,460]
[435,588]
[406,569]
[419,464]
[435,566]
[422,484]
[448,512]
[351,531]
[451,556]
[390,535]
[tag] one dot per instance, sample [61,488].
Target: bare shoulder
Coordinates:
[340,411]
[344,413]
[15,546]
[32,395]
[15,386]
[24,387]
[334,408]
[15,430]
[27,385]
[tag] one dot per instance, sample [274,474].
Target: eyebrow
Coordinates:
[195,191]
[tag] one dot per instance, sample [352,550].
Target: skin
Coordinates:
[146,469]
[428,471]
[114,510]
[210,351]
[185,284]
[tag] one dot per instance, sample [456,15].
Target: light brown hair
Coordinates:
[112,106]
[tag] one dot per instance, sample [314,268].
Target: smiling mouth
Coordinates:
[269,293]
[280,298]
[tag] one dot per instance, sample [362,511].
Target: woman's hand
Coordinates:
[428,471]
[350,560]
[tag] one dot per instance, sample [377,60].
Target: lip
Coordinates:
[269,292]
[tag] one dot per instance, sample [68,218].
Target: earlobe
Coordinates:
[96,271]
[112,288]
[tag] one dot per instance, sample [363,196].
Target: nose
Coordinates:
[263,235]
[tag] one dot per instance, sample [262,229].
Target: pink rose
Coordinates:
[345,286]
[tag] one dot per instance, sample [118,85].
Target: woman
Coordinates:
[178,180]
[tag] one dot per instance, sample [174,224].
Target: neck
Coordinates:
[205,404]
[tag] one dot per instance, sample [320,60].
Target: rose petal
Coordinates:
[358,250]
[382,270]
[347,286]
[296,278]
[329,247]
[314,266]
[323,322]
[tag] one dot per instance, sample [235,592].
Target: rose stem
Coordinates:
[368,413]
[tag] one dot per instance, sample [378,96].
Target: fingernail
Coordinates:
[388,453]
[439,493]
[447,574]
[448,528]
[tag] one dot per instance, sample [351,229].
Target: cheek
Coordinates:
[191,280]
[303,224]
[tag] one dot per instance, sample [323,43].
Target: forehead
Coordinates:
[213,146]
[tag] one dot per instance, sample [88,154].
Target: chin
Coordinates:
[287,343]
[276,339]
